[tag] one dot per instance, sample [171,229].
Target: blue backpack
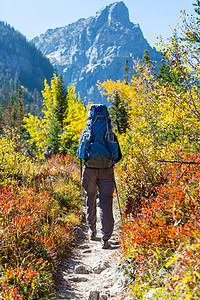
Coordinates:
[98,145]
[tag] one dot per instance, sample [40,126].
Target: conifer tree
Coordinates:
[21,110]
[166,74]
[61,100]
[119,114]
[59,114]
[9,117]
[126,69]
[117,110]
[54,135]
[14,110]
[147,62]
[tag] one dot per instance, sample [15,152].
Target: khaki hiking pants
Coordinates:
[102,181]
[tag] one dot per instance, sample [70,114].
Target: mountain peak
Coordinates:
[95,49]
[117,12]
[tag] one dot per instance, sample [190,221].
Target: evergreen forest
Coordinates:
[21,62]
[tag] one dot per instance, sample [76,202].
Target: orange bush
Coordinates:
[165,219]
[36,230]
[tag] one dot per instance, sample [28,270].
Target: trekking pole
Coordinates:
[118,201]
[81,171]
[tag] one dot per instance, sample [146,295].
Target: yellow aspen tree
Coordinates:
[75,121]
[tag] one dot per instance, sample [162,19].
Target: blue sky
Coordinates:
[34,17]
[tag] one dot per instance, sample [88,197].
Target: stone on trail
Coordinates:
[84,246]
[103,297]
[100,266]
[77,279]
[81,269]
[86,251]
[94,294]
[79,234]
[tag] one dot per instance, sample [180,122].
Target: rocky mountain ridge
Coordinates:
[95,49]
[21,61]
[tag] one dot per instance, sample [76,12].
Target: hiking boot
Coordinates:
[92,235]
[106,245]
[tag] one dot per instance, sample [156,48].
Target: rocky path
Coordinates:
[91,272]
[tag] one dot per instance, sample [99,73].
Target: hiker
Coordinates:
[99,148]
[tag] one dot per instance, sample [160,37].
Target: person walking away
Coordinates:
[100,150]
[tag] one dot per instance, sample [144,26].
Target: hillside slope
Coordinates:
[22,61]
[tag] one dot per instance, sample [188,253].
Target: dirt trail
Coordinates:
[73,285]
